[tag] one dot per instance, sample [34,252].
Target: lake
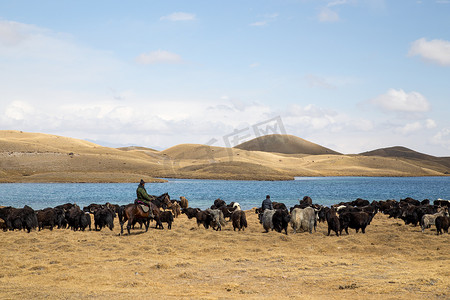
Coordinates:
[202,193]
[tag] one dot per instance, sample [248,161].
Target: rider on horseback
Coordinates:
[141,193]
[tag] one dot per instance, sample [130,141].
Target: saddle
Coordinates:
[143,206]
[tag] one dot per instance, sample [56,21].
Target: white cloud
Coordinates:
[50,83]
[18,111]
[363,124]
[328,15]
[37,60]
[267,19]
[12,33]
[159,57]
[179,16]
[442,138]
[162,124]
[329,12]
[318,82]
[437,51]
[311,117]
[376,4]
[416,126]
[410,128]
[337,2]
[260,23]
[255,65]
[167,122]
[400,101]
[430,124]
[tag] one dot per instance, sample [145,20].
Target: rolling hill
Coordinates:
[38,157]
[286,144]
[398,151]
[442,163]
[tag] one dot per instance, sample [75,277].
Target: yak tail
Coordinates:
[243,220]
[222,219]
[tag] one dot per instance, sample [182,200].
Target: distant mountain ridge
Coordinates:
[397,151]
[38,157]
[286,144]
[403,152]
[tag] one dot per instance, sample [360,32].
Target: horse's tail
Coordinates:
[120,213]
[124,213]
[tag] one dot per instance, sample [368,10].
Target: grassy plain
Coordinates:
[390,261]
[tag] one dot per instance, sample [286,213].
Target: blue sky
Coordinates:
[351,75]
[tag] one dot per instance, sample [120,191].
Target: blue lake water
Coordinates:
[202,193]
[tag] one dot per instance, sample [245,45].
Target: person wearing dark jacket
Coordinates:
[141,193]
[266,204]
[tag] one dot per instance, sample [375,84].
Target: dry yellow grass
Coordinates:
[36,157]
[390,261]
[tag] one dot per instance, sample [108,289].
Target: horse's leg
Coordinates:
[147,224]
[148,219]
[130,222]
[122,220]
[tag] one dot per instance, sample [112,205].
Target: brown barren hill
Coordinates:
[440,163]
[208,162]
[38,157]
[397,151]
[19,141]
[197,151]
[283,143]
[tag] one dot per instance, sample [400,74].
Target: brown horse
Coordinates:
[133,212]
[162,201]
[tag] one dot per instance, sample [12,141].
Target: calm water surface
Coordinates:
[202,193]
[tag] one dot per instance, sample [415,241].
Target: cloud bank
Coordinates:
[400,101]
[179,16]
[51,83]
[436,51]
[159,57]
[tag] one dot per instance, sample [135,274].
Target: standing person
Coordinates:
[141,193]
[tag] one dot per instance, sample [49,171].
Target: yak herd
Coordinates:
[304,216]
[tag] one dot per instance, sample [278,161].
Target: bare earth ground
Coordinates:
[390,261]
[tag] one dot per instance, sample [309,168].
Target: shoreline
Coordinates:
[95,179]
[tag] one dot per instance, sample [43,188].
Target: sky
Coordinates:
[350,75]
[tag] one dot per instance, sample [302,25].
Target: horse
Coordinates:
[132,212]
[162,201]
